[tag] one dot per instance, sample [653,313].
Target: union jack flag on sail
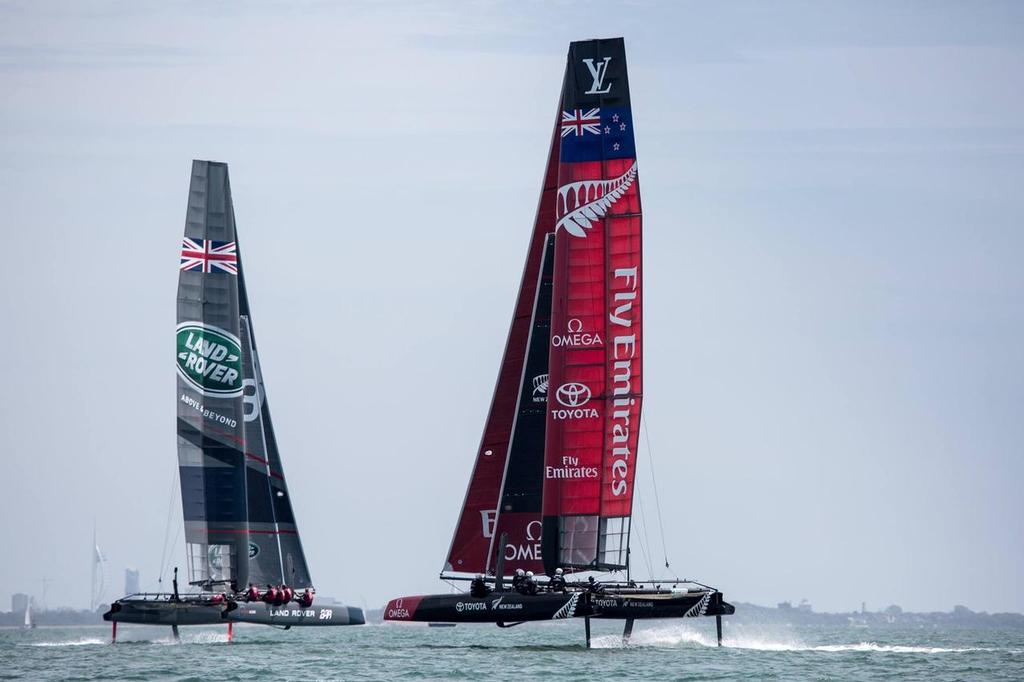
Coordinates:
[579,122]
[207,255]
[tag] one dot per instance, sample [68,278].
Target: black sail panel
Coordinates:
[519,512]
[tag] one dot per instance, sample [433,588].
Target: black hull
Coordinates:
[294,615]
[163,611]
[512,607]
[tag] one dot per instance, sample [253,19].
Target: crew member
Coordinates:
[306,599]
[557,583]
[529,585]
[252,594]
[478,588]
[287,594]
[593,585]
[518,579]
[270,596]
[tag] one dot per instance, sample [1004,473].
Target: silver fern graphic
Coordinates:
[700,607]
[581,203]
[569,609]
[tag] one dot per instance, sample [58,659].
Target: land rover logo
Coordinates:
[254,550]
[209,359]
[572,394]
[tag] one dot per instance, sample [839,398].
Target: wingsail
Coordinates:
[596,351]
[239,525]
[555,467]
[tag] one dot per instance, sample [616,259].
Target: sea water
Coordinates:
[658,650]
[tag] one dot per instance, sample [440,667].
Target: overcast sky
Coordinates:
[833,200]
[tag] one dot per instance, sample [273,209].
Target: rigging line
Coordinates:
[654,483]
[167,528]
[645,541]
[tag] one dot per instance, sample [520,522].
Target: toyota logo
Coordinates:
[573,394]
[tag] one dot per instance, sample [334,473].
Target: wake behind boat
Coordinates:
[244,554]
[552,488]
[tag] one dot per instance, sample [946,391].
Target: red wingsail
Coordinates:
[556,464]
[595,355]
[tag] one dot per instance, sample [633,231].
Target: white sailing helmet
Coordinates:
[479,576]
[558,571]
[520,572]
[529,574]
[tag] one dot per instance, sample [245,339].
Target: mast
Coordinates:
[595,355]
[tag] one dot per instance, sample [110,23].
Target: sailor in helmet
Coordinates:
[478,588]
[529,585]
[558,581]
[518,579]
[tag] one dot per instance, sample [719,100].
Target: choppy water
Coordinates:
[662,650]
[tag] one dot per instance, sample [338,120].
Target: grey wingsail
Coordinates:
[211,422]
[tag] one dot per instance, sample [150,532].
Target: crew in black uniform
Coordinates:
[529,585]
[478,588]
[518,579]
[557,583]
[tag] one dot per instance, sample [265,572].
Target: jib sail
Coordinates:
[517,401]
[239,525]
[595,378]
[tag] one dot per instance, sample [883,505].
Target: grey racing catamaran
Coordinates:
[244,554]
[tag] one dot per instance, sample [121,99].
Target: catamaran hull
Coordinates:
[494,608]
[164,613]
[674,605]
[508,607]
[142,612]
[292,615]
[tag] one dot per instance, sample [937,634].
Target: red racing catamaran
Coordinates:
[552,487]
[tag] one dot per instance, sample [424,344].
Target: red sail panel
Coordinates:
[595,356]
[472,548]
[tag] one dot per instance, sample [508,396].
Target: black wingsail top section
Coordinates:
[239,525]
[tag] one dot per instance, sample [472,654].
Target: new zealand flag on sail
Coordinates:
[597,133]
[596,121]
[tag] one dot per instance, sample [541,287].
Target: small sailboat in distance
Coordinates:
[29,622]
[240,529]
[552,487]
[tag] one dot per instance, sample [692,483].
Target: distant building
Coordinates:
[785,605]
[131,581]
[804,606]
[19,602]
